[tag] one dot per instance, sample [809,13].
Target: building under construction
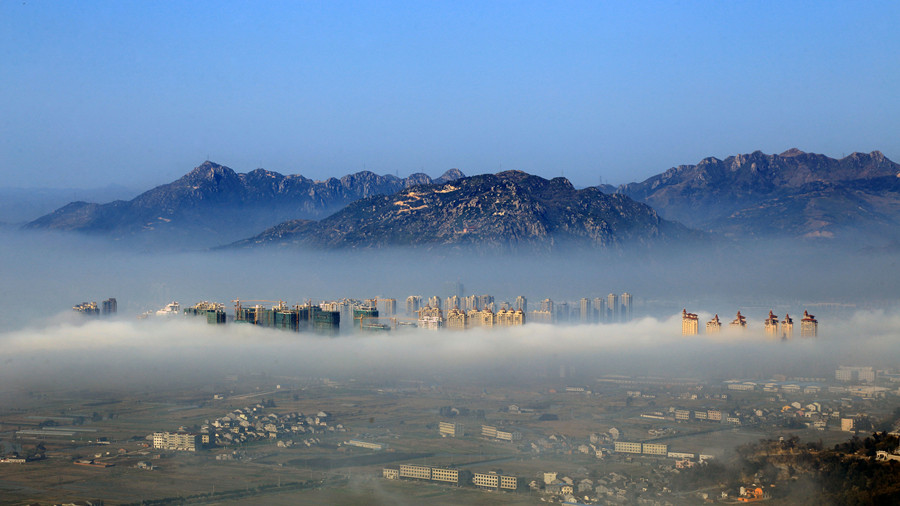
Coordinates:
[296,318]
[109,306]
[106,308]
[214,312]
[87,309]
[363,313]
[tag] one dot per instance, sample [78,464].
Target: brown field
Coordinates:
[403,416]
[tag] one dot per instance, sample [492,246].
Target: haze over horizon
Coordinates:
[138,94]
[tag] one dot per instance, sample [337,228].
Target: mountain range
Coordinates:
[793,194]
[213,204]
[508,211]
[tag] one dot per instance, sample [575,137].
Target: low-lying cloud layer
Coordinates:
[113,354]
[46,346]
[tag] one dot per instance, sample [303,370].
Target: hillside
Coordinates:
[213,204]
[791,194]
[508,211]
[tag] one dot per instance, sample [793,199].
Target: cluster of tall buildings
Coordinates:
[380,314]
[324,318]
[433,318]
[457,311]
[106,308]
[809,326]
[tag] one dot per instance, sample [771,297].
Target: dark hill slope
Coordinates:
[510,210]
[213,204]
[793,194]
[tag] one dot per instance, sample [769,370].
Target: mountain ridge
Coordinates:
[509,210]
[213,204]
[745,194]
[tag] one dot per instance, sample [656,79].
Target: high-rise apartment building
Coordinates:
[690,324]
[471,302]
[547,305]
[600,309]
[454,288]
[413,302]
[586,311]
[109,306]
[739,322]
[435,302]
[510,317]
[787,327]
[809,326]
[481,318]
[627,307]
[387,307]
[521,304]
[561,312]
[540,317]
[452,302]
[714,326]
[612,307]
[771,325]
[457,319]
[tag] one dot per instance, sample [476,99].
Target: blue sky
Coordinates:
[137,92]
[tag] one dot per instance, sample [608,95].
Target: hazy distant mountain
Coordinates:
[213,204]
[21,205]
[791,194]
[510,210]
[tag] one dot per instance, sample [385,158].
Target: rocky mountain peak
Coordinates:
[562,183]
[208,172]
[449,175]
[792,152]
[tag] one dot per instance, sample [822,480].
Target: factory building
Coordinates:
[415,472]
[365,444]
[486,480]
[445,475]
[654,449]
[450,429]
[627,447]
